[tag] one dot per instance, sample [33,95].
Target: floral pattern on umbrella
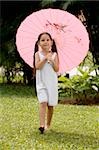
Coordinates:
[69,33]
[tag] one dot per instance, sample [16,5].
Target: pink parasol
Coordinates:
[69,33]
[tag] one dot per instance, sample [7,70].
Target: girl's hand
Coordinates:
[49,56]
[54,61]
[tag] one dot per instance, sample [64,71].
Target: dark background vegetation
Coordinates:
[14,12]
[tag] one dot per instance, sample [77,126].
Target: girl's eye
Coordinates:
[44,40]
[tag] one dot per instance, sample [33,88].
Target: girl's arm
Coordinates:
[55,62]
[39,63]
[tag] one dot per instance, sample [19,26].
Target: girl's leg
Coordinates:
[49,115]
[42,113]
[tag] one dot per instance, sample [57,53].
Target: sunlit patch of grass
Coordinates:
[73,127]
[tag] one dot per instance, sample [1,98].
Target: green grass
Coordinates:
[73,127]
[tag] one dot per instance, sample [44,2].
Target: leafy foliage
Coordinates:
[16,11]
[81,86]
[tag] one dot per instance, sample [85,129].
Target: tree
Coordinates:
[10,20]
[90,11]
[14,12]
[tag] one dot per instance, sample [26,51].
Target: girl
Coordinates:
[46,63]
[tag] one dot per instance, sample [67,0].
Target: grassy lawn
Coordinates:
[73,127]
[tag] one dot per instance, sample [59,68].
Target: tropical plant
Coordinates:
[10,20]
[81,86]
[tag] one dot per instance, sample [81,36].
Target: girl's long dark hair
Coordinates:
[54,48]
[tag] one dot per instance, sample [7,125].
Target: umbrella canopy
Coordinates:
[69,33]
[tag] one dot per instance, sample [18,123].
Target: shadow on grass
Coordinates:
[78,140]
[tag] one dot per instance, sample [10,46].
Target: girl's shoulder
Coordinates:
[37,53]
[54,55]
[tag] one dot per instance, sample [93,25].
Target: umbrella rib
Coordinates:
[64,28]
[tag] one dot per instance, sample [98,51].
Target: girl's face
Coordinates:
[45,42]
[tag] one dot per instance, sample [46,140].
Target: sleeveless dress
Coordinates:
[47,83]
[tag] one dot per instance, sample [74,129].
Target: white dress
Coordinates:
[47,83]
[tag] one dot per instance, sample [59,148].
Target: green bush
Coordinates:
[82,86]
